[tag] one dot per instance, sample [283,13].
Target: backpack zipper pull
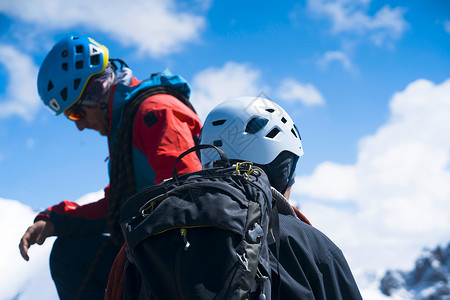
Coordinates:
[244,261]
[183,233]
[261,280]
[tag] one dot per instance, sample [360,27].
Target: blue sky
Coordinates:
[365,81]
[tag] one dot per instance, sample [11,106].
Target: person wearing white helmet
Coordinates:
[309,264]
[147,123]
[257,130]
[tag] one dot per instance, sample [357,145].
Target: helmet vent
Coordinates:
[218,122]
[49,86]
[256,124]
[64,53]
[218,143]
[63,94]
[273,133]
[271,110]
[294,131]
[283,120]
[79,49]
[65,66]
[95,60]
[79,64]
[76,83]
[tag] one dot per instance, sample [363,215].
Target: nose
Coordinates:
[81,124]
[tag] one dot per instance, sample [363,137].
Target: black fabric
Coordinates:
[133,283]
[184,277]
[310,265]
[150,119]
[281,171]
[194,236]
[71,259]
[66,225]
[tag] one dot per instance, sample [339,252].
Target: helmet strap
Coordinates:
[113,62]
[281,171]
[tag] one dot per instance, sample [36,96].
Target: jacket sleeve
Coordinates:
[70,218]
[164,128]
[310,265]
[338,281]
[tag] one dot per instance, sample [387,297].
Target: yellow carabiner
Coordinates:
[244,164]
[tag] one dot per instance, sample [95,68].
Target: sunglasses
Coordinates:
[75,113]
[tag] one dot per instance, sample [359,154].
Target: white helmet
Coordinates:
[250,128]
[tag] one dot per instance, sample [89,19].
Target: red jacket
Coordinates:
[163,128]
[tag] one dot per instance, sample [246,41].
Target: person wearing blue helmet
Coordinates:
[148,124]
[308,264]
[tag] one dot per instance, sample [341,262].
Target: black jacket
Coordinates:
[310,264]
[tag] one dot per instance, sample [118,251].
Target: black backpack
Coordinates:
[202,235]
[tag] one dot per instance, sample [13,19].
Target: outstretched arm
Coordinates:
[66,218]
[36,233]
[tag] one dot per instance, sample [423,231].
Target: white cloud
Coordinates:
[30,143]
[340,182]
[291,90]
[21,96]
[351,16]
[23,278]
[447,26]
[91,197]
[155,27]
[396,198]
[215,85]
[337,56]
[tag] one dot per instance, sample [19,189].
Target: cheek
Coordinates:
[105,124]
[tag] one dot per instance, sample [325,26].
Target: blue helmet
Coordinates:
[67,69]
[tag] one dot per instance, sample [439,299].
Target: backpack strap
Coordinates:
[167,83]
[285,208]
[150,91]
[274,237]
[283,205]
[223,157]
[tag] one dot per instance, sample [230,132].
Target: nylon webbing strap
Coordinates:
[276,235]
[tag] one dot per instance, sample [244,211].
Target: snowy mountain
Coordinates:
[428,280]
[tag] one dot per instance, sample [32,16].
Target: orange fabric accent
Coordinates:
[301,216]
